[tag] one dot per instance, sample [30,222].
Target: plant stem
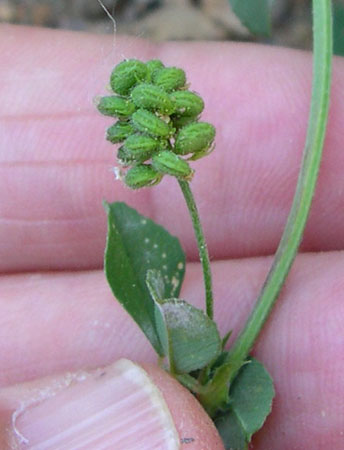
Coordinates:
[202,246]
[290,241]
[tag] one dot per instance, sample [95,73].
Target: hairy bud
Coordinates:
[147,122]
[116,107]
[168,163]
[195,138]
[123,158]
[140,147]
[153,66]
[152,98]
[187,103]
[170,78]
[142,175]
[180,121]
[119,132]
[126,75]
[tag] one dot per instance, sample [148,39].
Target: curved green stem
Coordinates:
[290,241]
[202,246]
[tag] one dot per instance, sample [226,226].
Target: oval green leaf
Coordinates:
[194,340]
[250,403]
[231,432]
[135,245]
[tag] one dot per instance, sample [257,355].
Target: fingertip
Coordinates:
[195,428]
[119,406]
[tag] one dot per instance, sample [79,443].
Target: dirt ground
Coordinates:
[163,19]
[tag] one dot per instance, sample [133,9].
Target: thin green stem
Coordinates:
[287,249]
[202,246]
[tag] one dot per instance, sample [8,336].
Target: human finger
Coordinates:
[119,406]
[59,322]
[258,97]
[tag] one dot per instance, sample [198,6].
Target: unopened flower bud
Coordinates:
[153,66]
[126,75]
[187,103]
[170,78]
[119,132]
[116,107]
[142,175]
[180,121]
[140,147]
[123,158]
[147,122]
[153,98]
[167,162]
[195,138]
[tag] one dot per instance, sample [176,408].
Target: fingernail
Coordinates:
[117,407]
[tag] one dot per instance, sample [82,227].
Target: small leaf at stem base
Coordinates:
[250,400]
[193,337]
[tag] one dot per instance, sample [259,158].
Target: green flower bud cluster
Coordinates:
[158,122]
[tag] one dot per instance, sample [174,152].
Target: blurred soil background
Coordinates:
[172,19]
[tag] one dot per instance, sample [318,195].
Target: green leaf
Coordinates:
[254,14]
[194,340]
[338,28]
[135,244]
[250,403]
[251,395]
[231,432]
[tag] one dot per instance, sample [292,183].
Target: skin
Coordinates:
[55,168]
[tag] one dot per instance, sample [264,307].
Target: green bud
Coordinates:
[187,103]
[116,106]
[153,98]
[147,122]
[153,66]
[142,175]
[168,163]
[170,78]
[126,75]
[140,147]
[181,121]
[195,138]
[123,158]
[119,131]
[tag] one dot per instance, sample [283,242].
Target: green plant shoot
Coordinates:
[160,133]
